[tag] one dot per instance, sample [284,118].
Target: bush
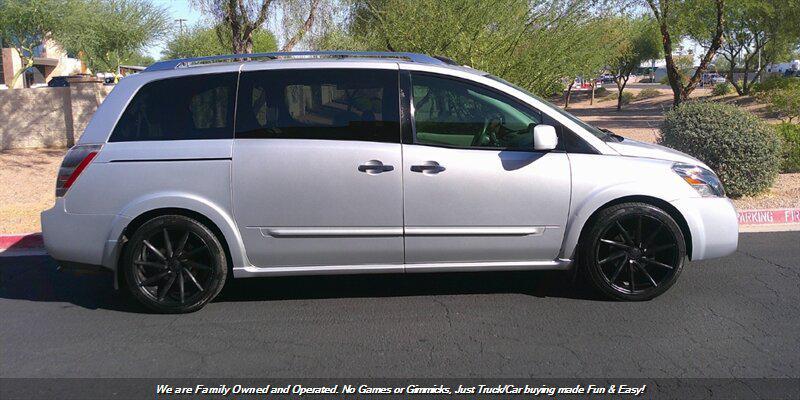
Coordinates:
[648,93]
[601,92]
[790,133]
[784,102]
[772,82]
[742,149]
[721,89]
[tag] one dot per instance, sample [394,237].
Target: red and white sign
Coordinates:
[773,216]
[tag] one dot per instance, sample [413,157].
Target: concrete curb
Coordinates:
[766,220]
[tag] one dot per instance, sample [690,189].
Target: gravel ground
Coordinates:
[27,187]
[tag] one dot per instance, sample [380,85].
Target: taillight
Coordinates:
[76,160]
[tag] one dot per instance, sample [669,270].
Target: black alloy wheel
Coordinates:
[635,251]
[174,264]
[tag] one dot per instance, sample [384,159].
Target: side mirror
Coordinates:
[544,137]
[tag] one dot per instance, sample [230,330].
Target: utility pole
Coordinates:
[180,22]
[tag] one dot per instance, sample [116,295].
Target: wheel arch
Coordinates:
[206,212]
[570,251]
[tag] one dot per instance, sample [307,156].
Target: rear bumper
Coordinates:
[76,238]
[713,224]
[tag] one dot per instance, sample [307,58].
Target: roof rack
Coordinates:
[186,62]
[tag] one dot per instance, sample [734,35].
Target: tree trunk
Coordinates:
[569,94]
[621,82]
[591,101]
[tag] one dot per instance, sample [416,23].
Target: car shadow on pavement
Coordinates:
[37,279]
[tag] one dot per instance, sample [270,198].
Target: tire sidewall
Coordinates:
[592,241]
[219,265]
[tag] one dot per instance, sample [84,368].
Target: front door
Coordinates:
[317,168]
[474,189]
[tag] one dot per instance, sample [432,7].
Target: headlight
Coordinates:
[703,180]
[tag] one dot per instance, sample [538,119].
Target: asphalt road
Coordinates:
[734,317]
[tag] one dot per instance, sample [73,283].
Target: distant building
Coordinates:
[781,68]
[49,60]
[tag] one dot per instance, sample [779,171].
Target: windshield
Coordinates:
[591,129]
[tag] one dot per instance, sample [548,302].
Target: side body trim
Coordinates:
[398,231]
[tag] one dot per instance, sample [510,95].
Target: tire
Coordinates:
[626,262]
[177,278]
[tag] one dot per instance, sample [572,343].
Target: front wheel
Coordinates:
[634,251]
[174,264]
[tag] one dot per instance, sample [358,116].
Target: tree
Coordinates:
[641,42]
[672,15]
[531,43]
[201,41]
[757,29]
[24,25]
[243,18]
[104,33]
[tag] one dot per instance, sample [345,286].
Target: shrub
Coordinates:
[742,149]
[601,91]
[664,80]
[721,89]
[772,82]
[784,102]
[648,93]
[790,133]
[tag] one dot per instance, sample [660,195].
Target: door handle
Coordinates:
[428,168]
[374,167]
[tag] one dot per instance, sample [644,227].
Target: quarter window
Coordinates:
[330,104]
[453,113]
[186,108]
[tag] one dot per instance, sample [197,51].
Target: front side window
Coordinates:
[454,113]
[329,104]
[186,108]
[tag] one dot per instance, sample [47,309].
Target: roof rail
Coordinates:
[185,62]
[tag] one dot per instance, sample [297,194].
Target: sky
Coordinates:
[179,9]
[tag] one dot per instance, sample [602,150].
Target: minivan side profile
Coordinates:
[197,170]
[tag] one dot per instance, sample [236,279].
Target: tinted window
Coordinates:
[346,104]
[454,113]
[192,107]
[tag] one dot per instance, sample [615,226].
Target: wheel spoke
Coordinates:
[619,269]
[659,248]
[193,279]
[197,265]
[644,271]
[625,234]
[182,243]
[180,286]
[615,244]
[154,250]
[153,279]
[612,257]
[167,243]
[638,231]
[163,291]
[633,285]
[150,264]
[660,264]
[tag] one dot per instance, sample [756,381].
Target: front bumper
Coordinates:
[713,224]
[76,238]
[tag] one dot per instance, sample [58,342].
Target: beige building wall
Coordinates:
[11,63]
[47,117]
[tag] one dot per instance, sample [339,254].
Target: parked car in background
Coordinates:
[197,170]
[65,81]
[607,78]
[712,79]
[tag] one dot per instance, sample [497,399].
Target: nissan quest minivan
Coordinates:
[275,164]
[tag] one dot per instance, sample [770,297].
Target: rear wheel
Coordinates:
[634,251]
[174,264]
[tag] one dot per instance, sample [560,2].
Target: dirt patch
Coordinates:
[785,193]
[27,187]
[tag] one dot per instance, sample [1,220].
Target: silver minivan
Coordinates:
[196,170]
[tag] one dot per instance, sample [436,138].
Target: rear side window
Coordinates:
[186,108]
[330,104]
